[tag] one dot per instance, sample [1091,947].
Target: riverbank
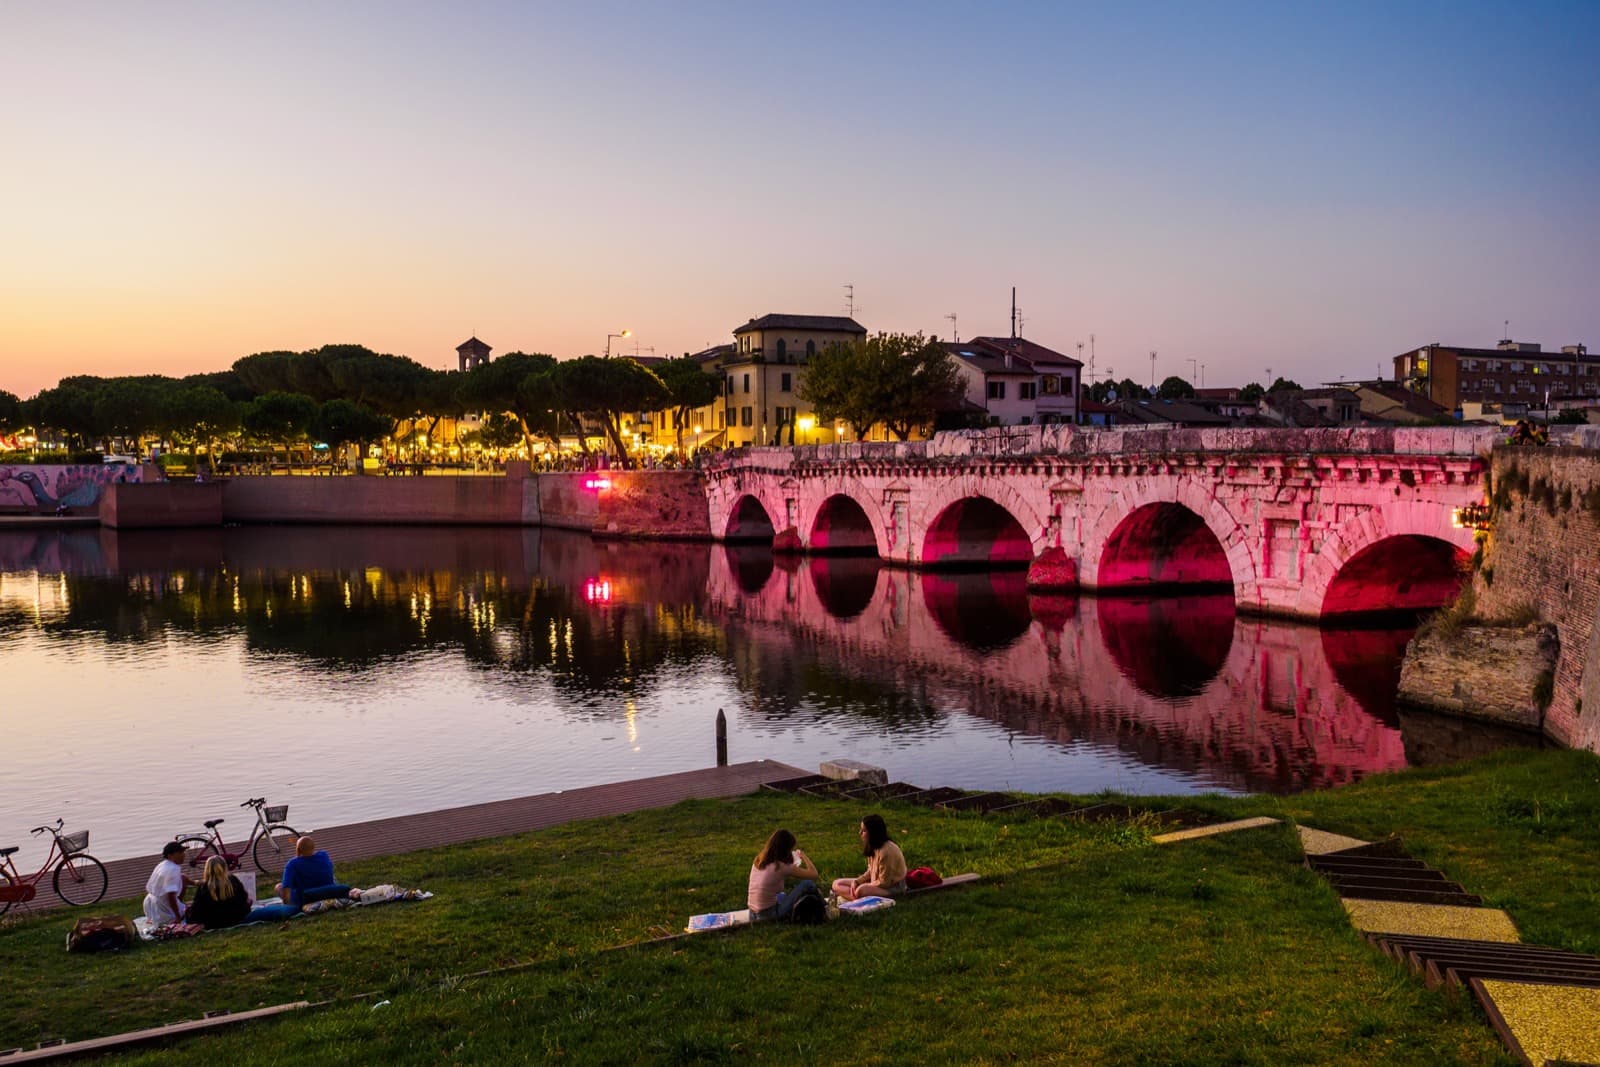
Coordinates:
[1083,942]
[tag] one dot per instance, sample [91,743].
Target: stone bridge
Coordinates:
[1308,523]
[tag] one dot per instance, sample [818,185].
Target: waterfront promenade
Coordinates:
[351,842]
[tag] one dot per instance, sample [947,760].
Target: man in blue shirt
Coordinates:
[309,877]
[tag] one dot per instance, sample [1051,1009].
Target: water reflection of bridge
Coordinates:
[1179,683]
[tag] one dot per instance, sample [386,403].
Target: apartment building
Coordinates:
[1512,371]
[1017,381]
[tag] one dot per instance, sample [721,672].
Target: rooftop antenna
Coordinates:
[1194,367]
[1013,313]
[850,300]
[954,334]
[1152,370]
[1202,375]
[1506,329]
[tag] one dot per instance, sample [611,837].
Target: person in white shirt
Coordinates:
[162,905]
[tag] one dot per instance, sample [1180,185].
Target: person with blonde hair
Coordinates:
[220,899]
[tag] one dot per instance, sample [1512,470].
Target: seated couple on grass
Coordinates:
[782,859]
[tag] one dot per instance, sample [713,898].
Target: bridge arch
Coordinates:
[974,521]
[1157,534]
[1404,556]
[845,523]
[749,519]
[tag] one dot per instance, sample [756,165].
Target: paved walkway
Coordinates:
[450,826]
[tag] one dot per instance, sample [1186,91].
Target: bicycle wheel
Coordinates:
[199,850]
[274,848]
[5,898]
[85,881]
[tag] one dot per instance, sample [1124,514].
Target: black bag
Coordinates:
[809,908]
[104,934]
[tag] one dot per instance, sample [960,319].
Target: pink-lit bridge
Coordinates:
[1309,523]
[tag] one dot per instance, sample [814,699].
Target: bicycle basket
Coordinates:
[277,813]
[74,843]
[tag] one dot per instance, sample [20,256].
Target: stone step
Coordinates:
[978,802]
[892,791]
[1391,944]
[1358,863]
[1412,896]
[1371,881]
[929,798]
[794,785]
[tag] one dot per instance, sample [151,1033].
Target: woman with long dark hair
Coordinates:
[886,865]
[780,859]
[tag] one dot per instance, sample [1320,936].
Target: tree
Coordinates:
[68,409]
[279,417]
[200,414]
[901,380]
[503,385]
[1284,383]
[1175,388]
[1252,393]
[1102,392]
[11,419]
[1570,415]
[688,387]
[499,430]
[266,372]
[607,389]
[340,422]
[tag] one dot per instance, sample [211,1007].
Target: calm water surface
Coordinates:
[154,680]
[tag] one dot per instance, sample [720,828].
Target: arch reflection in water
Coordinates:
[983,611]
[1170,647]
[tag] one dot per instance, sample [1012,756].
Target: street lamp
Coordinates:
[807,423]
[697,429]
[609,336]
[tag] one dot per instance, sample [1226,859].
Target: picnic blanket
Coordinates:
[718,920]
[865,905]
[379,894]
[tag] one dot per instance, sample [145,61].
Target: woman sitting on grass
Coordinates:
[886,865]
[219,899]
[779,860]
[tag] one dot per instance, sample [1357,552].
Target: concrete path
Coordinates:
[450,826]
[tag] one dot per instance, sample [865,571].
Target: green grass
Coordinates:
[1083,943]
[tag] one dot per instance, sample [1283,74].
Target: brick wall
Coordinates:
[1544,551]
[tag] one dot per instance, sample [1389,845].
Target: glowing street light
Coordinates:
[609,336]
[697,429]
[807,424]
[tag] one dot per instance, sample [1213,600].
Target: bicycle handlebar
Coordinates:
[254,803]
[52,829]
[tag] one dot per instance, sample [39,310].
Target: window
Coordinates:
[747,388]
[997,390]
[1494,364]
[1051,384]
[811,349]
[783,349]
[784,415]
[730,384]
[1516,368]
[1027,390]
[1027,420]
[733,418]
[747,416]
[1470,364]
[786,382]
[722,420]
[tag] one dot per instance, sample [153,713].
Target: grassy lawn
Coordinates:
[1084,944]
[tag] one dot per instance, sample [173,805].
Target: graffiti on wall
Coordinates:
[54,487]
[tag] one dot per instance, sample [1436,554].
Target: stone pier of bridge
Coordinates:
[1299,522]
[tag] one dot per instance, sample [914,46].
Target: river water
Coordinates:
[156,679]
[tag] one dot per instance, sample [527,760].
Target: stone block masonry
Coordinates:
[1544,554]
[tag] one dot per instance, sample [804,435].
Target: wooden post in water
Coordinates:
[722,739]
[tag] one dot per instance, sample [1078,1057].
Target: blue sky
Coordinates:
[1310,188]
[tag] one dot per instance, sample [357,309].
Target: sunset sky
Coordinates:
[1311,188]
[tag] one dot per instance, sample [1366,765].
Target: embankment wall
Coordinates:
[138,506]
[1544,553]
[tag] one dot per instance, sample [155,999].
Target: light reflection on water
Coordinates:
[156,680]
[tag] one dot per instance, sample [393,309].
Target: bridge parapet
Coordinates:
[1003,442]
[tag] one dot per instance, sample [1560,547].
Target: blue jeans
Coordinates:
[271,913]
[322,892]
[786,900]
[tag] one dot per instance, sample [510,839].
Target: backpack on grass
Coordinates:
[810,907]
[105,933]
[922,878]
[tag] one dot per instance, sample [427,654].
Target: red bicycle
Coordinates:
[80,879]
[270,844]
